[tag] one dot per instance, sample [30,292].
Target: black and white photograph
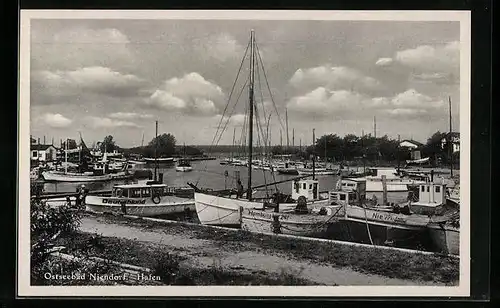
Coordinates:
[271,153]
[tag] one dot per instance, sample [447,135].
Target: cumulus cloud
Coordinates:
[129,116]
[84,81]
[445,58]
[321,103]
[191,94]
[56,120]
[102,122]
[81,47]
[383,61]
[333,78]
[221,47]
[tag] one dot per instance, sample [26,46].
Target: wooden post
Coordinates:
[384,188]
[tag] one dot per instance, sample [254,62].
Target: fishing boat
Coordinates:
[306,213]
[183,165]
[219,207]
[289,167]
[89,176]
[150,198]
[387,223]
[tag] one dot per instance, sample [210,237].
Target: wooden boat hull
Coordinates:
[445,238]
[290,223]
[139,206]
[221,211]
[381,226]
[74,177]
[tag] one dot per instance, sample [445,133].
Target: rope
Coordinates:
[269,88]
[231,93]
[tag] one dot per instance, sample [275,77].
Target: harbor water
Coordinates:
[211,174]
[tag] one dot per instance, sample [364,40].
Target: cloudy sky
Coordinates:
[117,77]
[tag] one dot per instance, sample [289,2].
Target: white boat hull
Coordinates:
[74,177]
[222,211]
[268,222]
[139,206]
[183,169]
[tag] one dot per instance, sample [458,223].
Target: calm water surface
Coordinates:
[210,174]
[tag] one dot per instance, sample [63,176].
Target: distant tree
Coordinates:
[433,148]
[164,145]
[108,144]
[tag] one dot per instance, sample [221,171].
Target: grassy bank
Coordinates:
[388,263]
[168,265]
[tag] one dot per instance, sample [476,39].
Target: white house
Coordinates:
[454,138]
[43,152]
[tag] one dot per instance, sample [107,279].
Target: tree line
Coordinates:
[332,147]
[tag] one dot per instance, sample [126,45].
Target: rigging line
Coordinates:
[231,93]
[269,88]
[260,90]
[232,111]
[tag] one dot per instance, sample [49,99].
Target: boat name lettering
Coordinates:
[383,217]
[267,215]
[118,201]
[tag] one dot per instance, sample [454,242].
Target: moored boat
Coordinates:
[61,176]
[183,165]
[142,199]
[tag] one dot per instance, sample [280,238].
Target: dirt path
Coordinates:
[248,258]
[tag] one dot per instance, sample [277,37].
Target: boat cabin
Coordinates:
[307,188]
[431,198]
[184,163]
[136,191]
[100,168]
[338,197]
[356,185]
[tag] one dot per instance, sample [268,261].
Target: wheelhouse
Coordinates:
[137,192]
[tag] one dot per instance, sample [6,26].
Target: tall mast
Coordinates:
[399,142]
[250,121]
[314,154]
[142,142]
[375,127]
[293,137]
[287,139]
[234,133]
[66,156]
[450,145]
[156,146]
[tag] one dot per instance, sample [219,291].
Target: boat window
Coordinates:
[157,191]
[423,188]
[135,193]
[146,192]
[118,192]
[297,187]
[428,189]
[304,186]
[438,189]
[342,197]
[310,186]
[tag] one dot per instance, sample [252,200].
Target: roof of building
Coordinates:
[41,147]
[412,141]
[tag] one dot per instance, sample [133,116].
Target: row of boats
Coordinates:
[432,211]
[291,167]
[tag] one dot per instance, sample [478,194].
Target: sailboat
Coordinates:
[145,198]
[220,208]
[89,176]
[184,164]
